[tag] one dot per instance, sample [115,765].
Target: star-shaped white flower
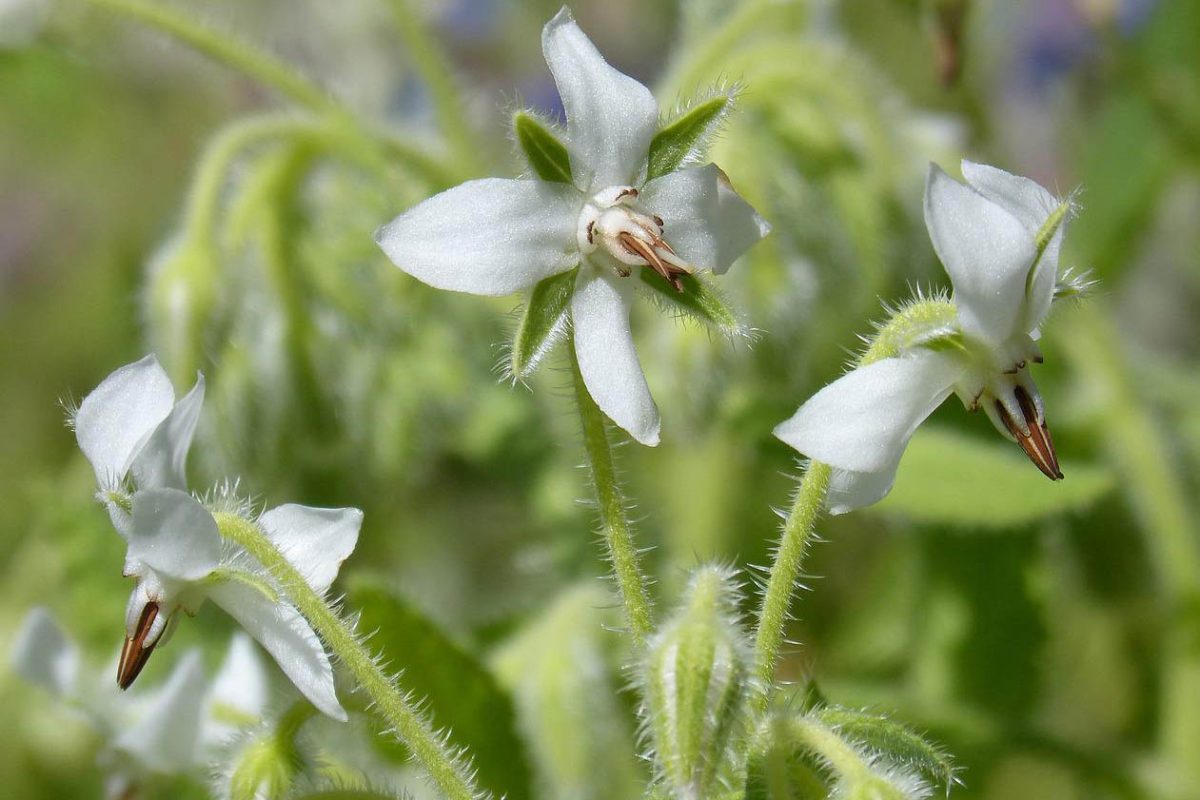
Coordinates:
[998,238]
[498,236]
[174,728]
[133,432]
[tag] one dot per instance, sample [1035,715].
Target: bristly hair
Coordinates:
[731,90]
[70,407]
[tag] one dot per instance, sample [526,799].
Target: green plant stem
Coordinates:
[797,533]
[452,778]
[433,66]
[615,524]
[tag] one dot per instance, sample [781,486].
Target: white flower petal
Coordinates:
[863,420]
[239,692]
[986,251]
[607,358]
[489,237]
[1032,205]
[707,223]
[43,655]
[611,117]
[315,540]
[173,535]
[1024,199]
[161,461]
[166,737]
[119,414]
[287,636]
[850,490]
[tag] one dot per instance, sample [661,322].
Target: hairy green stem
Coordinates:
[452,778]
[910,326]
[615,524]
[797,533]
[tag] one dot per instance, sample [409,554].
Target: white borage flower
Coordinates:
[999,238]
[130,427]
[176,727]
[498,236]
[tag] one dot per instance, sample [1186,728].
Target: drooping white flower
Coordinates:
[499,236]
[133,432]
[174,728]
[998,237]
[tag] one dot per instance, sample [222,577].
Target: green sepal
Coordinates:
[896,742]
[546,155]
[543,319]
[698,300]
[684,137]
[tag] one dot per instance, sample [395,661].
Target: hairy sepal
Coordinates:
[684,139]
[546,155]
[543,322]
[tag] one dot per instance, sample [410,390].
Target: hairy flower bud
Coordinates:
[697,677]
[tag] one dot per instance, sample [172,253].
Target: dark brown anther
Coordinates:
[630,192]
[636,247]
[1037,444]
[135,653]
[591,228]
[658,221]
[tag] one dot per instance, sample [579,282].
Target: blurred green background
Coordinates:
[1047,634]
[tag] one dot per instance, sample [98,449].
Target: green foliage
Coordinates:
[559,668]
[948,478]
[545,154]
[462,694]
[685,137]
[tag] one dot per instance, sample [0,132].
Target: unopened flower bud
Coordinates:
[697,677]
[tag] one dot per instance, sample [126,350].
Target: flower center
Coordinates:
[611,221]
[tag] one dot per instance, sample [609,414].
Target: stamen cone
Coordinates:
[136,652]
[1037,443]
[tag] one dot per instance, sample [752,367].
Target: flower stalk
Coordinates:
[614,522]
[446,769]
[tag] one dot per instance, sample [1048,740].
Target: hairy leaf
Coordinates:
[543,319]
[463,696]
[547,156]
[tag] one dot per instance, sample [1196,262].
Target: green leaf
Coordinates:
[547,156]
[544,317]
[948,478]
[897,742]
[686,136]
[462,695]
[698,300]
